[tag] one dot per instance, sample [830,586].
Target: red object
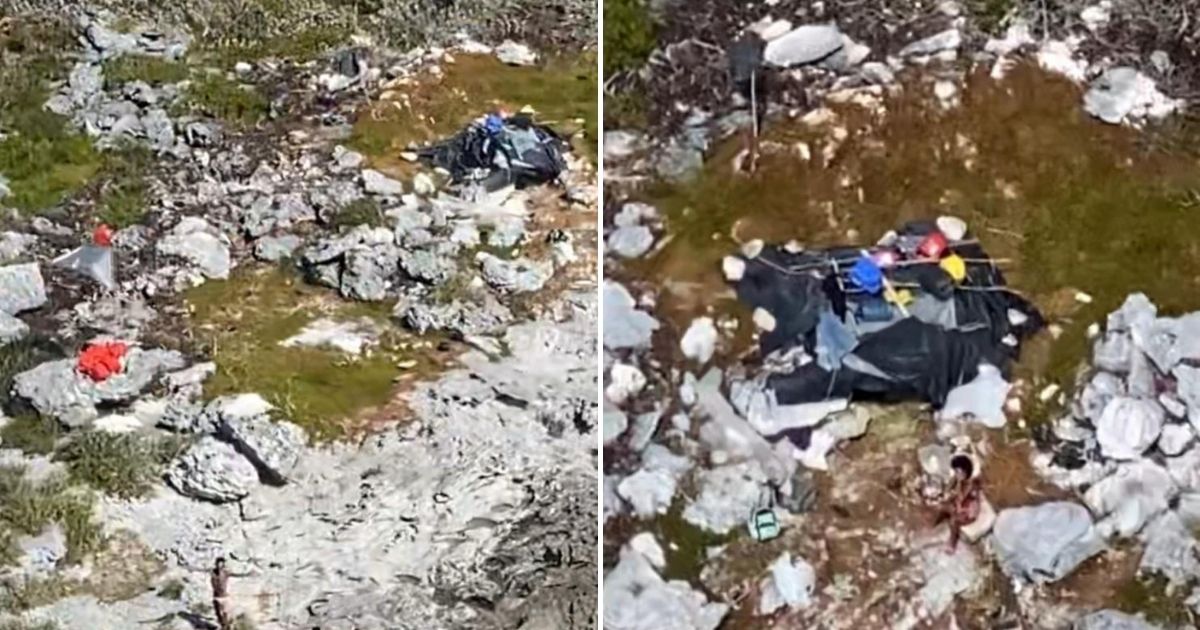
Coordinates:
[102,236]
[933,246]
[102,360]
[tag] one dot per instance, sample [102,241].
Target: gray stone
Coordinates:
[214,471]
[21,288]
[195,241]
[805,44]
[679,162]
[1112,620]
[201,134]
[1115,94]
[507,232]
[480,315]
[1136,310]
[367,272]
[650,491]
[1170,550]
[1187,380]
[159,130]
[513,276]
[727,495]
[630,242]
[272,447]
[345,159]
[1128,426]
[41,554]
[141,93]
[14,245]
[1102,388]
[700,340]
[624,325]
[276,248]
[85,83]
[801,495]
[56,389]
[619,145]
[791,583]
[427,266]
[1175,439]
[637,598]
[1130,497]
[1112,352]
[635,213]
[643,429]
[949,39]
[1045,542]
[615,423]
[515,54]
[377,183]
[11,329]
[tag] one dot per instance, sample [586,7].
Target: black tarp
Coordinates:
[519,151]
[908,359]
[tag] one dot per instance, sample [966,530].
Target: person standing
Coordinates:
[220,594]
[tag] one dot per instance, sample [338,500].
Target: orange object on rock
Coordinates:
[102,360]
[102,236]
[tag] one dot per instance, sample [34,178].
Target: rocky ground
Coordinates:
[369,390]
[1048,128]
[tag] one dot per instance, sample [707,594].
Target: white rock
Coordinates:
[1175,439]
[377,183]
[700,340]
[1096,16]
[624,381]
[1044,542]
[637,598]
[1127,499]
[763,319]
[1128,426]
[351,337]
[982,399]
[645,544]
[791,583]
[949,39]
[515,54]
[805,44]
[733,268]
[953,228]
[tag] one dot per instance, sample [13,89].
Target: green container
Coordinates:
[763,525]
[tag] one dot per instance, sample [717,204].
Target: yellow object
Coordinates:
[901,297]
[954,265]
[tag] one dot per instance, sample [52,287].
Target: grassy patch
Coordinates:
[299,47]
[27,507]
[1073,203]
[358,212]
[152,70]
[15,357]
[990,14]
[123,191]
[688,548]
[123,465]
[43,159]
[1149,597]
[629,35]
[30,593]
[562,90]
[31,433]
[241,321]
[224,98]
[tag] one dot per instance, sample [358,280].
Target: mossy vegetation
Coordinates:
[242,321]
[152,70]
[171,590]
[15,357]
[629,35]
[1071,203]
[31,433]
[562,90]
[123,186]
[43,159]
[1152,598]
[301,46]
[688,551]
[364,211]
[214,94]
[126,465]
[27,507]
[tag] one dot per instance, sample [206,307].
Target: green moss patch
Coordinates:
[629,35]
[1073,203]
[216,95]
[27,507]
[242,321]
[152,70]
[125,465]
[562,90]
[1150,597]
[31,433]
[42,158]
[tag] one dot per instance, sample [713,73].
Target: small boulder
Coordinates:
[377,183]
[21,288]
[273,447]
[213,471]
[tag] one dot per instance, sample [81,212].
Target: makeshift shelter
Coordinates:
[910,318]
[499,151]
[94,260]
